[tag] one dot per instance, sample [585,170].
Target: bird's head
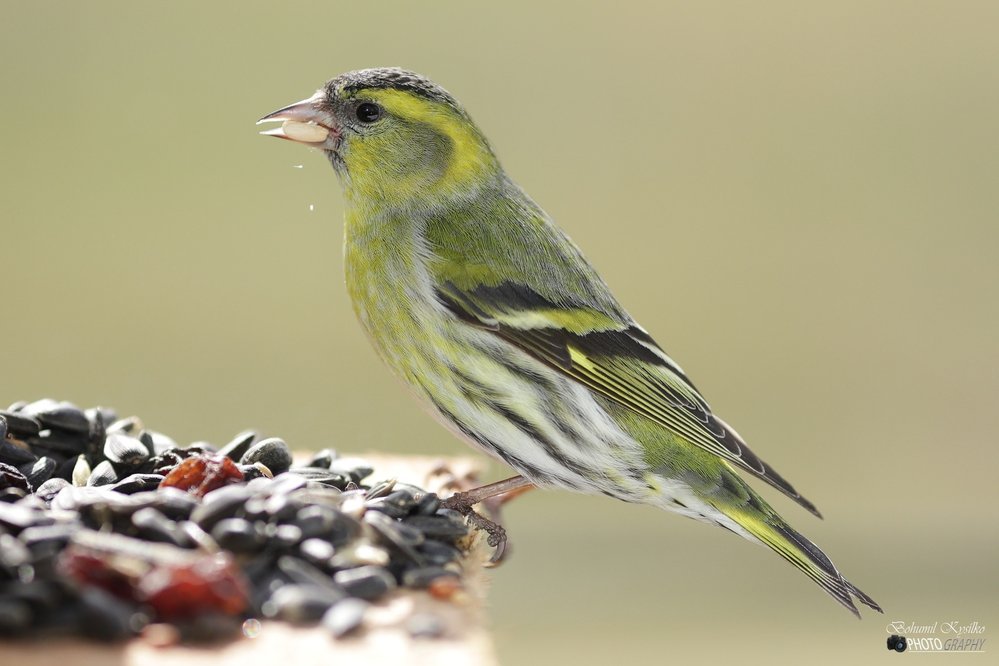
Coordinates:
[393,136]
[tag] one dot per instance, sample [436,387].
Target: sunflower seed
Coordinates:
[105,415]
[15,616]
[395,535]
[272,452]
[54,414]
[102,475]
[151,524]
[428,504]
[11,477]
[397,504]
[311,541]
[107,618]
[287,535]
[317,551]
[300,571]
[300,603]
[124,450]
[323,458]
[62,442]
[156,442]
[40,471]
[439,553]
[305,132]
[174,503]
[345,617]
[81,471]
[316,521]
[438,526]
[367,582]
[219,504]
[238,535]
[48,490]
[355,468]
[425,625]
[360,555]
[135,483]
[323,476]
[15,455]
[422,577]
[21,426]
[129,425]
[13,553]
[380,489]
[239,445]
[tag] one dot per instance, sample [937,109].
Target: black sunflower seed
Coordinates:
[238,535]
[299,571]
[103,474]
[311,541]
[135,483]
[64,415]
[40,471]
[20,425]
[300,603]
[48,490]
[124,450]
[239,445]
[367,582]
[438,526]
[323,458]
[218,504]
[345,617]
[15,455]
[272,452]
[11,477]
[15,616]
[422,577]
[152,524]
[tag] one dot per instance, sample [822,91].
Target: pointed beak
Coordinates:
[305,122]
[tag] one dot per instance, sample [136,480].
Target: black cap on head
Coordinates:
[391,78]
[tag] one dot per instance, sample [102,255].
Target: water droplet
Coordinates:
[251,628]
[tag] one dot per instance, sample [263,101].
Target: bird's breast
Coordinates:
[390,289]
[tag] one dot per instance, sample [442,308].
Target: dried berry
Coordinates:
[212,583]
[199,475]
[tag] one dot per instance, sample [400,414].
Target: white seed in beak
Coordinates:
[304,132]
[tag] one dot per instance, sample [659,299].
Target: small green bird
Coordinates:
[492,315]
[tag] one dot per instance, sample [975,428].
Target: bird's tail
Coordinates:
[771,530]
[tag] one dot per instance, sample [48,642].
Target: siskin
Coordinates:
[470,292]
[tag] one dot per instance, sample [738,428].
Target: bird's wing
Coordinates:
[611,355]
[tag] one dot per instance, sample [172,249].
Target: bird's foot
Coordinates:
[496,538]
[492,497]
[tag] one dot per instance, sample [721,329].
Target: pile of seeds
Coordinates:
[108,530]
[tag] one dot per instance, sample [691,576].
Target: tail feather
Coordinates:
[807,557]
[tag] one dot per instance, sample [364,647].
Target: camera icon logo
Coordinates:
[897,643]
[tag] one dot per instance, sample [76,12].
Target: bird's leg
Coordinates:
[467,498]
[500,493]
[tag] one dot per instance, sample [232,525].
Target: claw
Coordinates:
[492,496]
[496,538]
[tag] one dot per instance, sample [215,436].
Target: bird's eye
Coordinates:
[368,112]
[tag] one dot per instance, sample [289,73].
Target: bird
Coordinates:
[469,291]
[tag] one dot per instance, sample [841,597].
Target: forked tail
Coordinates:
[805,555]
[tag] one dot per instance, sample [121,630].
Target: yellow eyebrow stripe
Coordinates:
[470,153]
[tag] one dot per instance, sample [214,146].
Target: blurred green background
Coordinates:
[799,200]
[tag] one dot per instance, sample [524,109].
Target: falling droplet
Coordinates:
[312,207]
